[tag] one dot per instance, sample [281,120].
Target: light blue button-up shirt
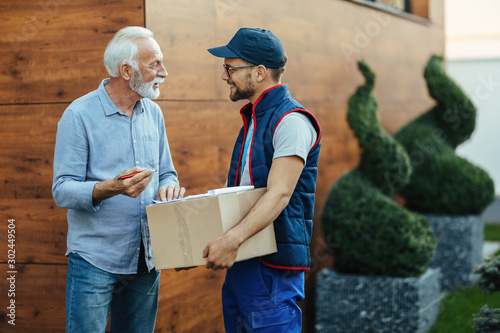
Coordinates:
[95,142]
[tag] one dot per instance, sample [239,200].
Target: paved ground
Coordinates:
[489,248]
[492,214]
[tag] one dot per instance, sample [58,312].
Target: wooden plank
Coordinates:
[184,32]
[41,230]
[190,301]
[40,292]
[201,137]
[420,8]
[39,298]
[28,139]
[192,133]
[200,134]
[322,52]
[394,116]
[52,50]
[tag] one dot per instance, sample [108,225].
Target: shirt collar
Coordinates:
[108,106]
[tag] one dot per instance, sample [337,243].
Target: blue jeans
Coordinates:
[91,292]
[258,298]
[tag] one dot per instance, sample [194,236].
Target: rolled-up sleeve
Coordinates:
[70,188]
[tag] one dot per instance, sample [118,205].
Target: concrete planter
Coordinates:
[459,241]
[357,303]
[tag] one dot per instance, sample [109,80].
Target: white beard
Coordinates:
[146,90]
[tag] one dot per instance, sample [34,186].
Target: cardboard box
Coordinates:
[180,230]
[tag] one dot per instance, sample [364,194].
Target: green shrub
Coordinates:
[442,182]
[490,274]
[369,233]
[487,321]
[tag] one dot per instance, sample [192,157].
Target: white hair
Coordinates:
[123,49]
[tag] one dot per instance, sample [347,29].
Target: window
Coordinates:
[402,5]
[418,9]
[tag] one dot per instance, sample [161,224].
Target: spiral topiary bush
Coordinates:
[442,182]
[368,232]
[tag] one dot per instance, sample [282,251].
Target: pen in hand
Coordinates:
[130,175]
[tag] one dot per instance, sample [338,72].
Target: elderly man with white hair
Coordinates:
[111,160]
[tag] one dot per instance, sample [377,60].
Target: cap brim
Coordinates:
[223,52]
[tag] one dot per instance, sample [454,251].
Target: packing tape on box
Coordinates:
[183,233]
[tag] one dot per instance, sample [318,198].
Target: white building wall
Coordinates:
[472,30]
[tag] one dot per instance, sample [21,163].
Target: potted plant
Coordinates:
[380,281]
[488,320]
[447,189]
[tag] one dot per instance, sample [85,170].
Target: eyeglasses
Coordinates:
[230,69]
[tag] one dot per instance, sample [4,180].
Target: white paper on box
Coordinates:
[218,191]
[181,230]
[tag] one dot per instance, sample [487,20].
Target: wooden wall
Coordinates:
[51,53]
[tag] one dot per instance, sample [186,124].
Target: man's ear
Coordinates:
[261,73]
[126,71]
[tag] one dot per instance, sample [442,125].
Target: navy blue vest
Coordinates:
[293,227]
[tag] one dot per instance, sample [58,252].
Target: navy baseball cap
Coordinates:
[257,46]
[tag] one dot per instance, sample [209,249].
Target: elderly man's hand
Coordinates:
[170,192]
